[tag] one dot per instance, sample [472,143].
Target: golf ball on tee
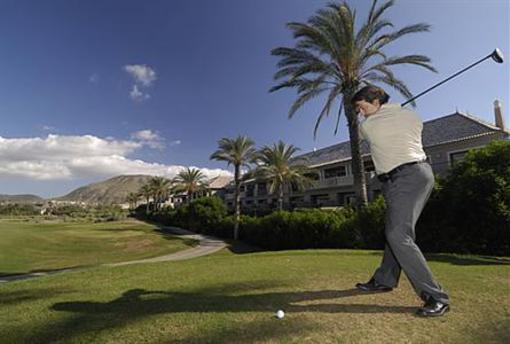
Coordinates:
[280,314]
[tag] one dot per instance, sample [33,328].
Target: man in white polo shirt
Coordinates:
[394,135]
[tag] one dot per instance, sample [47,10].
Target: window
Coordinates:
[351,199]
[339,171]
[261,189]
[344,198]
[369,165]
[249,190]
[320,199]
[457,156]
[297,199]
[312,175]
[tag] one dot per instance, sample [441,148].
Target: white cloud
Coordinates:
[67,157]
[144,77]
[48,128]
[175,143]
[137,95]
[149,138]
[145,135]
[143,74]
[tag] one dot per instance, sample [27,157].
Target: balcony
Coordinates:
[340,181]
[331,182]
[231,196]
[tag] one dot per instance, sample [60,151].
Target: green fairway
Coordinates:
[26,245]
[231,298]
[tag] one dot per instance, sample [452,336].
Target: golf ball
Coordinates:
[280,314]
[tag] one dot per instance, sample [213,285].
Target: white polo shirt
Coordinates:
[394,135]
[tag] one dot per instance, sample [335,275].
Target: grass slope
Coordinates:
[27,246]
[231,298]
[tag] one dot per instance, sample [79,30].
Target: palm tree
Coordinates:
[132,198]
[190,180]
[239,152]
[146,192]
[160,187]
[275,165]
[331,57]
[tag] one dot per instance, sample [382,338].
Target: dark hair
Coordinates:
[371,93]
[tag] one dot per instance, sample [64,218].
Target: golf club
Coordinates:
[496,55]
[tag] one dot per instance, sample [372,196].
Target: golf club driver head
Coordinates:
[497,55]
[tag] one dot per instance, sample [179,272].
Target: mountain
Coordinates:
[21,198]
[114,190]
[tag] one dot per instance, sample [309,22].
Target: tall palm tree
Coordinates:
[146,193]
[275,165]
[132,198]
[190,180]
[331,57]
[239,152]
[160,189]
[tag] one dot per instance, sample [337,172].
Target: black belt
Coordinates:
[384,177]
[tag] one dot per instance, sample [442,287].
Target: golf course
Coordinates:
[36,245]
[230,296]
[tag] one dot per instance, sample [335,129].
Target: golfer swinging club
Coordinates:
[394,134]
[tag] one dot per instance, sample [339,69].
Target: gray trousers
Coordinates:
[405,196]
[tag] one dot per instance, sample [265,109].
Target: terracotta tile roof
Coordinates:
[219,182]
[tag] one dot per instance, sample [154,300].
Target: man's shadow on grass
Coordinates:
[144,302]
[136,304]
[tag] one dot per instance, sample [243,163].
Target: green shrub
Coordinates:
[14,209]
[470,212]
[205,213]
[306,228]
[370,224]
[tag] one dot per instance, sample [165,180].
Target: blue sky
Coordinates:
[91,89]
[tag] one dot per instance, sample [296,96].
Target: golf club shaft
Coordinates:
[445,80]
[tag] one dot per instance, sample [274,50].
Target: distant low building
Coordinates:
[217,187]
[445,140]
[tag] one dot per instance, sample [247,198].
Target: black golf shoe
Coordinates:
[433,308]
[372,285]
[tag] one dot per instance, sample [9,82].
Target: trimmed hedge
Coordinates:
[300,229]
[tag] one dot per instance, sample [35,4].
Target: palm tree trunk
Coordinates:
[147,206]
[280,197]
[360,185]
[237,201]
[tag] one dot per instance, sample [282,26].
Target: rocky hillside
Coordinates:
[114,190]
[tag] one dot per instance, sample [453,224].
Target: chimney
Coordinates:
[498,115]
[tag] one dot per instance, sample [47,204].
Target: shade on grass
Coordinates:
[231,298]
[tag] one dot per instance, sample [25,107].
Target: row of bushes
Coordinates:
[342,228]
[305,228]
[100,213]
[67,212]
[14,209]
